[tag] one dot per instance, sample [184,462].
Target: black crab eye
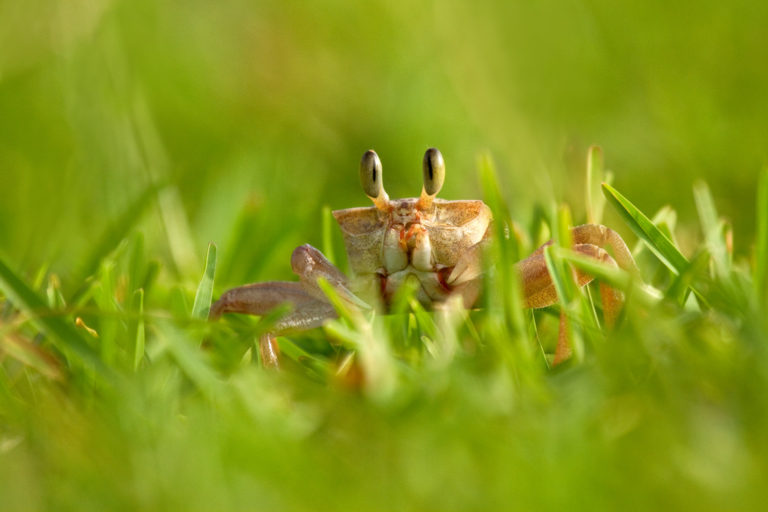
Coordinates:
[371,175]
[434,171]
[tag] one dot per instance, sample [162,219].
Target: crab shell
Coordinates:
[405,236]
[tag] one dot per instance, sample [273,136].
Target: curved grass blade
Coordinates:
[657,242]
[614,276]
[204,293]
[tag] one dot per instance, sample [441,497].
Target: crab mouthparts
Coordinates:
[410,235]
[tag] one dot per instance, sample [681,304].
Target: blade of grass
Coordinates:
[564,285]
[315,364]
[595,176]
[342,307]
[104,296]
[112,236]
[328,221]
[678,290]
[504,252]
[565,293]
[30,354]
[368,339]
[642,226]
[614,276]
[137,264]
[171,207]
[555,273]
[63,333]
[666,220]
[204,293]
[138,352]
[711,228]
[190,360]
[761,249]
[53,293]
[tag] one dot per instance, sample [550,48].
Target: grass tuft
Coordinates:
[204,294]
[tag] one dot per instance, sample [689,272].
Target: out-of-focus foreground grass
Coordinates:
[133,133]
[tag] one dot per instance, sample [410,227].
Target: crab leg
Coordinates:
[589,239]
[603,237]
[261,298]
[310,265]
[539,291]
[310,306]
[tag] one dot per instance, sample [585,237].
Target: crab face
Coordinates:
[423,237]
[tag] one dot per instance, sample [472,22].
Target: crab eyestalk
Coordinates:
[433,168]
[372,180]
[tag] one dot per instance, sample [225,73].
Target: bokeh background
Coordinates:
[258,112]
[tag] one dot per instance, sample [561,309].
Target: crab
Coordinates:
[438,242]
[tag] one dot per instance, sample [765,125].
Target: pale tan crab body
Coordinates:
[437,242]
[389,246]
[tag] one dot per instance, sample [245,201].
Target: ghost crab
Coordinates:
[436,241]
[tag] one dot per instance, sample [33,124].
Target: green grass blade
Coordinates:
[137,265]
[566,291]
[62,332]
[557,273]
[614,276]
[678,290]
[190,360]
[112,236]
[342,307]
[104,296]
[642,226]
[761,249]
[138,352]
[315,364]
[666,220]
[561,277]
[504,251]
[711,227]
[328,222]
[204,294]
[595,176]
[30,354]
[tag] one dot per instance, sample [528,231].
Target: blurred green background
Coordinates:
[265,107]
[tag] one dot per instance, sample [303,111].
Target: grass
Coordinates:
[155,154]
[451,410]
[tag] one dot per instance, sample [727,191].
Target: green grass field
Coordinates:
[154,155]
